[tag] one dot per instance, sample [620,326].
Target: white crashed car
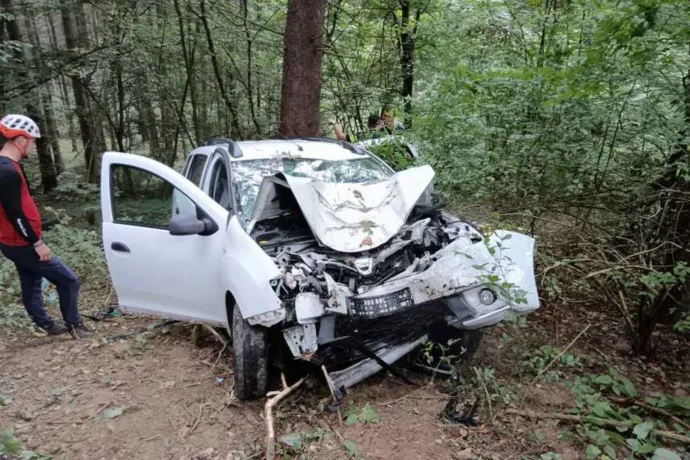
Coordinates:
[306,249]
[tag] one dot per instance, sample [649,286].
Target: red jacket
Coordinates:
[20,221]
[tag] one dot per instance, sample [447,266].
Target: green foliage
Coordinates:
[366,414]
[591,400]
[10,445]
[538,361]
[394,153]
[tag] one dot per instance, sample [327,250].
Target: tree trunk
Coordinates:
[407,42]
[89,123]
[250,90]
[45,159]
[62,84]
[302,59]
[2,80]
[51,130]
[229,103]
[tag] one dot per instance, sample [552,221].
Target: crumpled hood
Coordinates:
[349,217]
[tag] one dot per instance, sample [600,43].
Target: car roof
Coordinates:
[298,148]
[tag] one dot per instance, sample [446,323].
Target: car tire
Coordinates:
[250,348]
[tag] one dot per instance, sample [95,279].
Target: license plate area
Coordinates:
[383,305]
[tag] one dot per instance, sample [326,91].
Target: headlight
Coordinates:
[487,296]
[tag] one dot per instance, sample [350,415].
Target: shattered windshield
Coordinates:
[247,175]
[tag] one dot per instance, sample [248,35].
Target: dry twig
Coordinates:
[270,404]
[216,334]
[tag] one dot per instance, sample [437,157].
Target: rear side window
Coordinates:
[196,167]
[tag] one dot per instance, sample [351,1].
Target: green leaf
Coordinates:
[107,379]
[592,452]
[352,448]
[608,450]
[645,448]
[602,409]
[8,443]
[5,401]
[114,412]
[602,380]
[665,454]
[167,442]
[351,419]
[629,388]
[293,440]
[57,391]
[369,414]
[642,430]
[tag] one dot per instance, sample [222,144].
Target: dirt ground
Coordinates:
[158,395]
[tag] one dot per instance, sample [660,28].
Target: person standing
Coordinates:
[20,236]
[375,129]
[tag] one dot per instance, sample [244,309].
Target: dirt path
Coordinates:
[157,396]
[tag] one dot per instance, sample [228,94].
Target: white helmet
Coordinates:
[13,125]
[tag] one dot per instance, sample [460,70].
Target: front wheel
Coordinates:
[250,348]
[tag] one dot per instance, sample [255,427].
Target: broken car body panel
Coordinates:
[351,217]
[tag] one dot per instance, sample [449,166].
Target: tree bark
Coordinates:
[91,129]
[50,129]
[229,104]
[302,74]
[45,159]
[250,91]
[62,83]
[407,44]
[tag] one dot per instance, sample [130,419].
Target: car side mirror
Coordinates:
[189,224]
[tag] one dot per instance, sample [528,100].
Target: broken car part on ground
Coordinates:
[306,248]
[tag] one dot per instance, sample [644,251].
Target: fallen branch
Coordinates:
[270,404]
[140,331]
[216,334]
[597,421]
[650,408]
[335,400]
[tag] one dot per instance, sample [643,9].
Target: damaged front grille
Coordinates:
[383,305]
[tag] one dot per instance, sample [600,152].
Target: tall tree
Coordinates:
[407,26]
[23,61]
[302,77]
[91,129]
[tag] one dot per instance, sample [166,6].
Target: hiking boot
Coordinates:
[53,329]
[80,331]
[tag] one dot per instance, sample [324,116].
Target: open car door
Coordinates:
[163,239]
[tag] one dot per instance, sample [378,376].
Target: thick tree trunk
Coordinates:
[302,60]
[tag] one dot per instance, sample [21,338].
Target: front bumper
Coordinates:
[394,318]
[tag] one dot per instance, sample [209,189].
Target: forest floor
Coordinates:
[155,394]
[135,392]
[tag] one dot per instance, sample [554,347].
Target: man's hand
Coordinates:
[43,251]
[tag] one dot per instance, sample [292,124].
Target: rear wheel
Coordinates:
[250,348]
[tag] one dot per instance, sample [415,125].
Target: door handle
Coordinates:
[119,247]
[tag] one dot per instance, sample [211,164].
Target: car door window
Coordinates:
[219,190]
[143,199]
[196,167]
